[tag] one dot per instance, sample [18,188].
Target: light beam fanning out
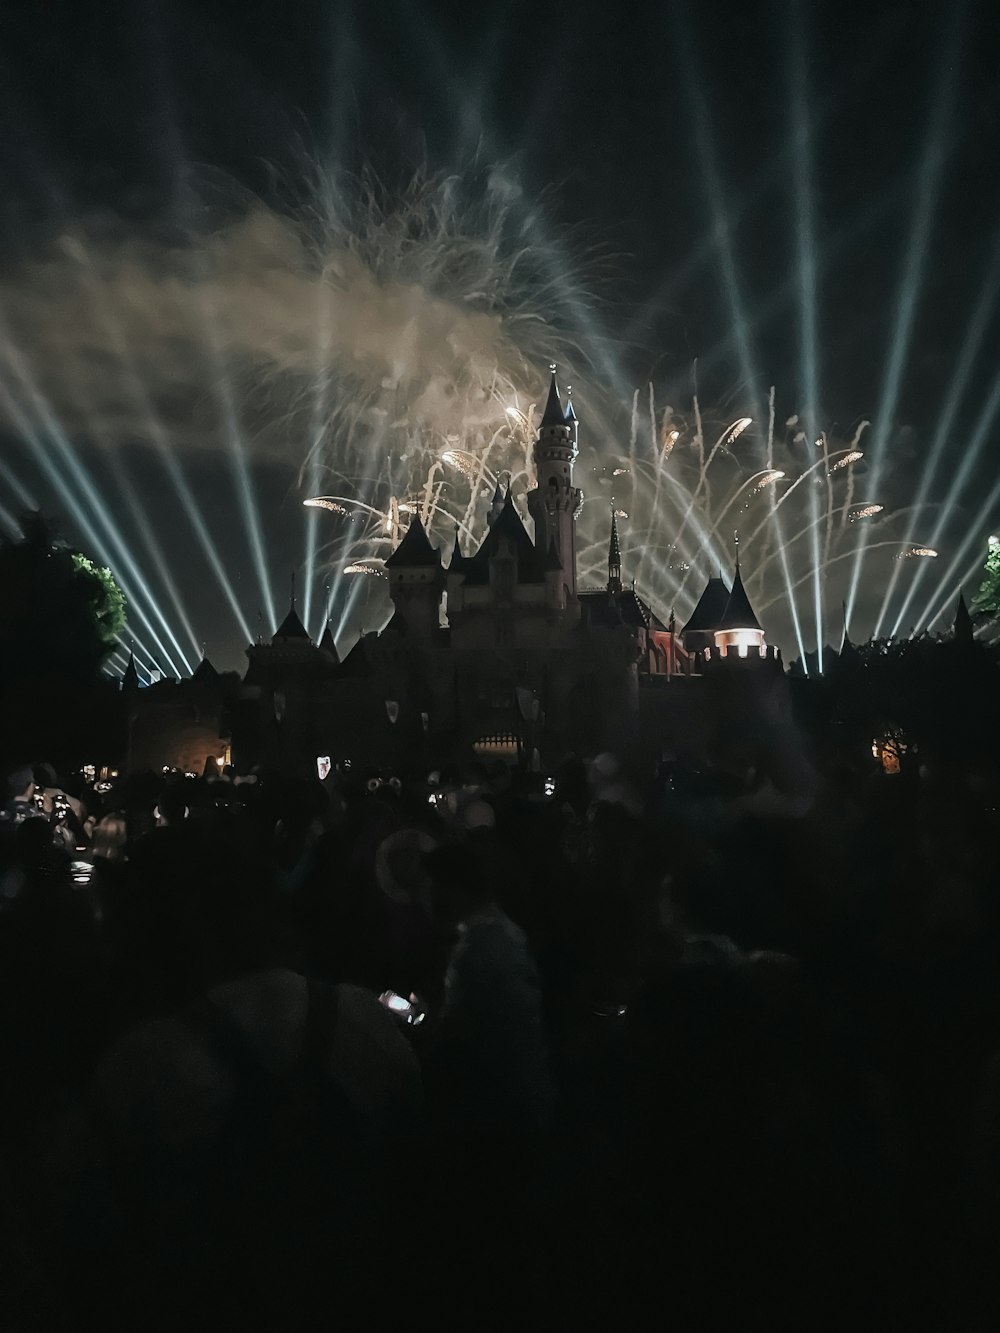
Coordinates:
[927,185]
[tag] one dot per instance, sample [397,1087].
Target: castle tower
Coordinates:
[416,580]
[739,627]
[554,501]
[614,558]
[496,506]
[130,679]
[962,631]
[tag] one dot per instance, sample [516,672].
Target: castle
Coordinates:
[497,654]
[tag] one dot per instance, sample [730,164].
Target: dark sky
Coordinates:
[625,123]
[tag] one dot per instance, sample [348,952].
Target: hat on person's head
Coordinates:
[17,782]
[477,815]
[399,870]
[45,776]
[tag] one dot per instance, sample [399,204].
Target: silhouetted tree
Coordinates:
[60,613]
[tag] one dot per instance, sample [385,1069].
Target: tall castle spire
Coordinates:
[554,501]
[614,557]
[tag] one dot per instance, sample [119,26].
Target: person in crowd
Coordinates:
[407,933]
[18,805]
[490,1054]
[109,839]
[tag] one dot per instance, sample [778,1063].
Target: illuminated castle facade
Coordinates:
[497,652]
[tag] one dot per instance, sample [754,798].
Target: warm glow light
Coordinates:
[321,502]
[743,640]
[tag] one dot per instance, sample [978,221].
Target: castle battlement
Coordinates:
[744,655]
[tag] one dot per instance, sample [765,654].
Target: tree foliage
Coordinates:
[107,601]
[60,613]
[987,599]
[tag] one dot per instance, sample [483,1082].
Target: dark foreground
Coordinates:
[689,1056]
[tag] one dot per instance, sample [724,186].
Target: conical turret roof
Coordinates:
[711,607]
[739,614]
[553,414]
[327,642]
[614,545]
[291,627]
[507,526]
[415,549]
[130,679]
[204,672]
[457,558]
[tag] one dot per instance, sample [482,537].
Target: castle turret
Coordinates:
[739,627]
[130,680]
[614,558]
[699,632]
[496,506]
[205,673]
[554,501]
[327,643]
[962,631]
[292,627]
[415,580]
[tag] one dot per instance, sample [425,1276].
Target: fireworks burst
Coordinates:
[866,511]
[854,456]
[365,567]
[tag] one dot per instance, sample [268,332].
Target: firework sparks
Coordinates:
[768,479]
[365,568]
[853,457]
[918,553]
[866,511]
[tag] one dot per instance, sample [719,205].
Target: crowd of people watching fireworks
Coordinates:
[490,1046]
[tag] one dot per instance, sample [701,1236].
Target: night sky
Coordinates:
[625,133]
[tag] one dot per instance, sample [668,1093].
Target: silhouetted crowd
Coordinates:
[494,1049]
